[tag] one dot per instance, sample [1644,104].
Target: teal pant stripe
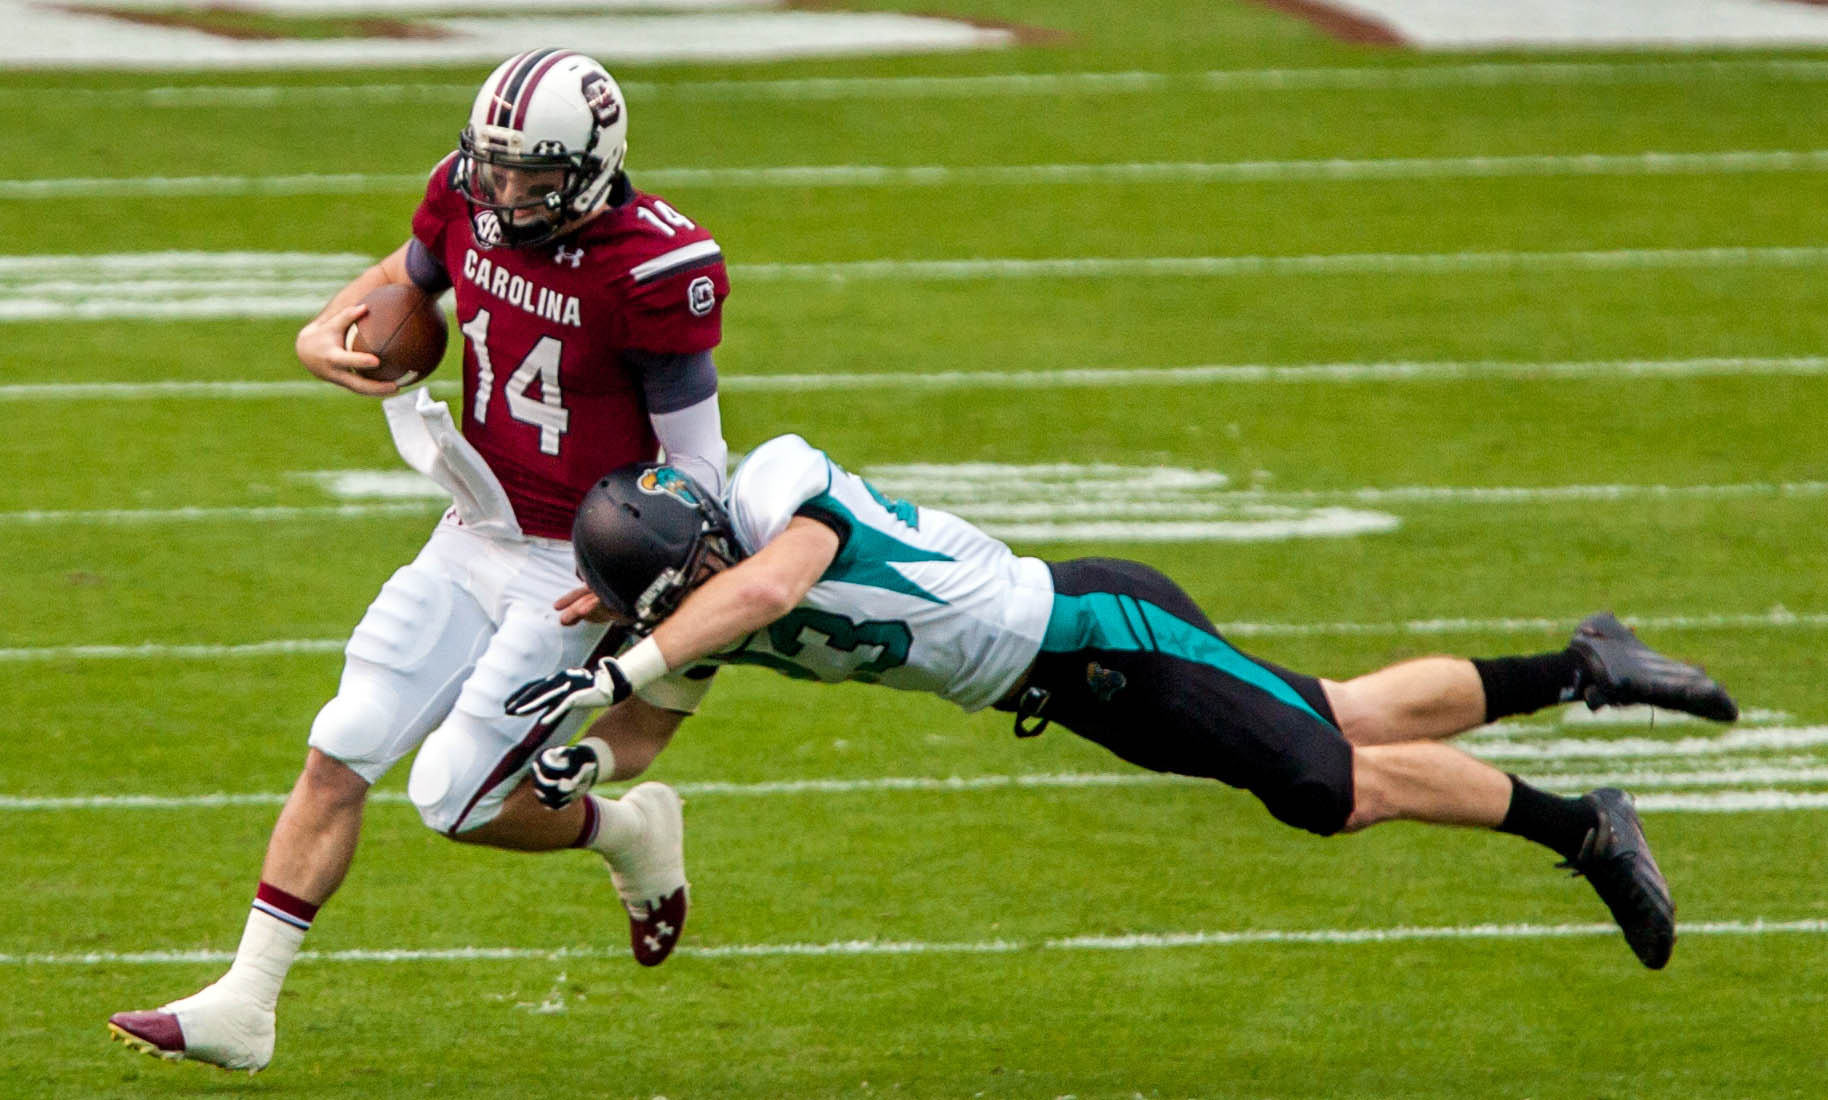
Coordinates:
[1106,620]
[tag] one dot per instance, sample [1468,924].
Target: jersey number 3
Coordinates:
[546,412]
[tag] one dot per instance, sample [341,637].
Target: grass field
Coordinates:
[1632,347]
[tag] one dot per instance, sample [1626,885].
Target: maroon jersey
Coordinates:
[547,398]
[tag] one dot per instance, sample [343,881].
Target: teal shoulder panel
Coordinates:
[869,554]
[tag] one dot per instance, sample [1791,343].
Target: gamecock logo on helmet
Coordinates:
[601,100]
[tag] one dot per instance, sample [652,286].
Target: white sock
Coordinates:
[268,946]
[618,826]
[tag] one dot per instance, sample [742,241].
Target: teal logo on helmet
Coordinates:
[664,480]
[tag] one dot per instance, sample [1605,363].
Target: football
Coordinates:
[404,328]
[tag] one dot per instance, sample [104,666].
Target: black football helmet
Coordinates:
[643,536]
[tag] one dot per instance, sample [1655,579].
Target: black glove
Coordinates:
[573,689]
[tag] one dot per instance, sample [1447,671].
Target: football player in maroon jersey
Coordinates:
[589,310]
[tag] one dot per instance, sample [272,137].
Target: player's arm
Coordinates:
[320,342]
[680,391]
[619,745]
[722,610]
[747,596]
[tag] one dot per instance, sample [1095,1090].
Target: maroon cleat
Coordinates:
[154,1033]
[213,1026]
[650,873]
[653,929]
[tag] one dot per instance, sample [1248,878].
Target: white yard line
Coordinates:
[1221,267]
[1211,374]
[1335,169]
[1263,937]
[1499,74]
[1680,801]
[1218,515]
[173,286]
[265,514]
[1779,619]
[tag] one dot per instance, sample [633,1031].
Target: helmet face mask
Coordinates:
[544,144]
[646,535]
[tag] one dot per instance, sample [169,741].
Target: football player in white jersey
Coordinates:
[807,569]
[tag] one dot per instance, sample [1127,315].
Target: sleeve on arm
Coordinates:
[681,394]
[676,302]
[440,207]
[673,381]
[772,485]
[693,438]
[426,270]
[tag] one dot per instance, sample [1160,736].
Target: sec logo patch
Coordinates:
[701,296]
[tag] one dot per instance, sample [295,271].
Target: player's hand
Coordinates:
[580,604]
[320,347]
[573,689]
[563,773]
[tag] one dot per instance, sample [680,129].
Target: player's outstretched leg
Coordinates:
[215,1026]
[649,872]
[1618,669]
[1616,859]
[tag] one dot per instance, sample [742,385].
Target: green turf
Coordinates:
[1568,1016]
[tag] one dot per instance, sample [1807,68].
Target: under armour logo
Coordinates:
[572,256]
[663,929]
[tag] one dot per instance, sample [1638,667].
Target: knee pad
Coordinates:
[452,775]
[355,728]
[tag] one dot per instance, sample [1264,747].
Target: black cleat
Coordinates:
[1616,859]
[1618,669]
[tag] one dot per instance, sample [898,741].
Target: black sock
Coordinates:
[1557,823]
[1519,685]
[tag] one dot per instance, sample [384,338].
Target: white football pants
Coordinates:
[448,638]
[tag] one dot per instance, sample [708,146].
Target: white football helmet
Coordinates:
[545,142]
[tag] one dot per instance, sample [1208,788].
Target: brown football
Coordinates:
[403,327]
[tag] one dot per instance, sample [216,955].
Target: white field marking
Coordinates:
[64,37]
[1576,718]
[1319,523]
[193,286]
[1625,748]
[1723,801]
[265,514]
[1063,378]
[163,651]
[1290,374]
[171,284]
[1335,169]
[1777,619]
[1029,503]
[374,484]
[1413,77]
[1251,522]
[765,788]
[1261,937]
[1646,778]
[1360,263]
[1577,715]
[1733,802]
[1582,24]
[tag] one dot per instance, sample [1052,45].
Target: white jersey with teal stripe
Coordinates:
[916,599]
